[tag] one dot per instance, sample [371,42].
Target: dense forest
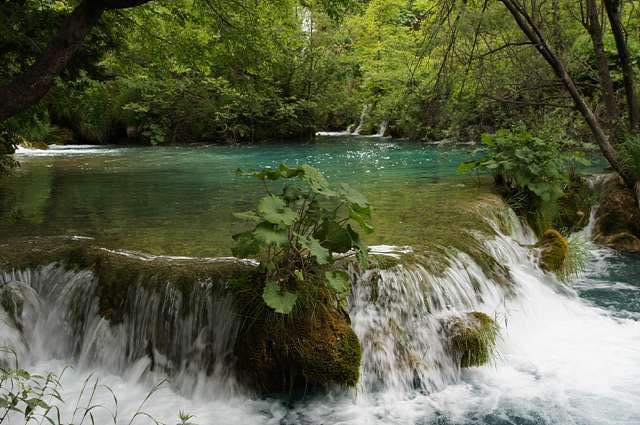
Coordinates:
[228,71]
[320,211]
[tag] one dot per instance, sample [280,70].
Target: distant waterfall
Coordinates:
[356,130]
[363,117]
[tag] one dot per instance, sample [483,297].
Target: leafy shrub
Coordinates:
[578,256]
[524,162]
[38,398]
[630,153]
[297,231]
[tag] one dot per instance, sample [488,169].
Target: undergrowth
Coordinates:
[37,398]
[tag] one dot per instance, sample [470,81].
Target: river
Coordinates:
[565,355]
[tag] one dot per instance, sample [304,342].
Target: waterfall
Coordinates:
[559,359]
[162,331]
[382,129]
[363,116]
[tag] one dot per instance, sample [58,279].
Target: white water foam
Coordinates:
[561,360]
[61,150]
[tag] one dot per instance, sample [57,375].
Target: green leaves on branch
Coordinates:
[281,301]
[296,233]
[524,162]
[275,211]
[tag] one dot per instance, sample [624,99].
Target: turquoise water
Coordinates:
[567,355]
[179,200]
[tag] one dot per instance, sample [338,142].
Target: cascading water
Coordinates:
[363,116]
[560,360]
[55,316]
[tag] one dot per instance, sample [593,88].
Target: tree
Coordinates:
[594,27]
[613,12]
[533,32]
[32,85]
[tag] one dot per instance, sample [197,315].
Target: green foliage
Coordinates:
[630,153]
[296,233]
[281,301]
[472,338]
[578,257]
[38,398]
[528,163]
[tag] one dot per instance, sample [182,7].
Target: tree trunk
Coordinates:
[532,32]
[613,12]
[595,29]
[31,86]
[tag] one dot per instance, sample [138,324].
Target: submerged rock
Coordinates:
[555,249]
[618,217]
[472,338]
[6,149]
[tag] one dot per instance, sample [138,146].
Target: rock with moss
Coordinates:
[34,144]
[575,206]
[618,217]
[311,349]
[471,338]
[12,302]
[554,251]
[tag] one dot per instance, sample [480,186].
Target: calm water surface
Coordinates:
[179,200]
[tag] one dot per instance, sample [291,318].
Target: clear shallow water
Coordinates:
[179,200]
[566,356]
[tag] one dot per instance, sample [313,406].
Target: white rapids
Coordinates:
[560,359]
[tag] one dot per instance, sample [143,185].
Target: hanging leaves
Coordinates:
[281,301]
[296,233]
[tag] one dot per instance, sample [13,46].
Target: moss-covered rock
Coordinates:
[6,149]
[12,302]
[575,205]
[472,338]
[618,217]
[34,144]
[313,348]
[554,251]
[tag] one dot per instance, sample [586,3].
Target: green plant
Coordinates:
[8,145]
[577,259]
[297,231]
[38,398]
[524,162]
[472,338]
[630,153]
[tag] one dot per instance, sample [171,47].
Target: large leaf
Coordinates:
[281,301]
[362,216]
[338,281]
[248,216]
[274,210]
[268,173]
[316,250]
[314,178]
[270,234]
[361,248]
[334,237]
[245,245]
[353,196]
[265,174]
